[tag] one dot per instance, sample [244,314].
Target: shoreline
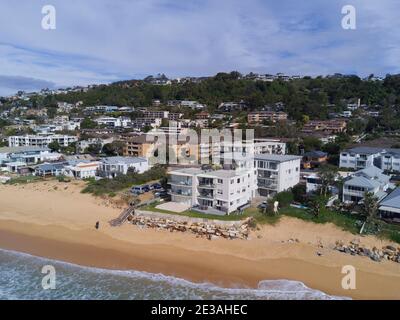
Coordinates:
[63,230]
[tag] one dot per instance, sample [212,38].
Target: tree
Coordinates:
[88,123]
[54,146]
[327,174]
[315,204]
[370,206]
[299,192]
[114,148]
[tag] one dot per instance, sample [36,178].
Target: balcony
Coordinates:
[180,193]
[184,183]
[206,186]
[204,195]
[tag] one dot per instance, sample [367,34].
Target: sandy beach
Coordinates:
[54,220]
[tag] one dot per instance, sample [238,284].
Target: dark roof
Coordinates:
[315,154]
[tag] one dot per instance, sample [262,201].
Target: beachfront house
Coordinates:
[50,169]
[81,169]
[389,207]
[111,167]
[370,179]
[27,155]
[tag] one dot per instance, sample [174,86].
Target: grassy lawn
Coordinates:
[191,213]
[249,212]
[25,179]
[347,222]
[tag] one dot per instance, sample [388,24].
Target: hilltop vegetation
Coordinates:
[306,96]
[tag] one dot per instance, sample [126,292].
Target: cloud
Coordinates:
[16,83]
[98,41]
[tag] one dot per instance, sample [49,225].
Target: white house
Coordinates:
[27,155]
[370,179]
[276,173]
[389,207]
[363,157]
[81,169]
[111,167]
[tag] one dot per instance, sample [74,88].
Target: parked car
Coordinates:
[155,186]
[140,189]
[263,205]
[163,195]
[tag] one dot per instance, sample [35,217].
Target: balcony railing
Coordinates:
[207,185]
[180,183]
[178,193]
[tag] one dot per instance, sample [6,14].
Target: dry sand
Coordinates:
[55,220]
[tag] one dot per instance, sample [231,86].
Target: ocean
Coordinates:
[21,278]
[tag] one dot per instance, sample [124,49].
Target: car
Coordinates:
[140,189]
[263,205]
[163,195]
[155,186]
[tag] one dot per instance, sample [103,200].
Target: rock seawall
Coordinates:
[209,230]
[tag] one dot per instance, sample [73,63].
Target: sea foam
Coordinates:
[20,278]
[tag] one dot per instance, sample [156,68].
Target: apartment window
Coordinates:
[344,154]
[297,169]
[219,181]
[219,191]
[232,181]
[238,180]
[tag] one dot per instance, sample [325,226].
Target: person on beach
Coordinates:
[97,225]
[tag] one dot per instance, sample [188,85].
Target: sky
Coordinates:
[101,41]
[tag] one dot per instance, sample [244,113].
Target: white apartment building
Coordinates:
[363,157]
[248,147]
[41,140]
[27,155]
[121,122]
[212,191]
[276,173]
[111,167]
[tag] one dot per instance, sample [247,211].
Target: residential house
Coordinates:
[27,155]
[314,159]
[370,179]
[111,167]
[362,157]
[50,169]
[81,169]
[389,207]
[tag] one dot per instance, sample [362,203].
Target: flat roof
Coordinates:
[188,171]
[127,160]
[22,149]
[276,157]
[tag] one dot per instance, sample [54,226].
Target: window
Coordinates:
[219,181]
[219,191]
[238,180]
[232,181]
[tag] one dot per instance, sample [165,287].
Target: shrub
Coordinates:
[284,198]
